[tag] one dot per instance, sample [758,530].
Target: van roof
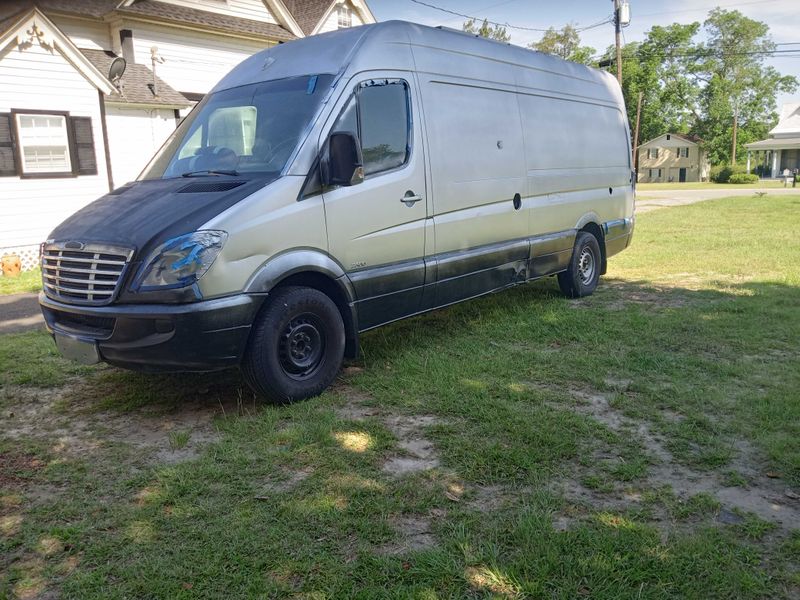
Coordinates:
[400,45]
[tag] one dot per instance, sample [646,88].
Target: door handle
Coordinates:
[410,199]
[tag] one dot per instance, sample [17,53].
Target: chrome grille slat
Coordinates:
[63,269]
[63,288]
[102,282]
[83,273]
[83,260]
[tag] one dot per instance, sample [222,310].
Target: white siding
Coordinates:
[255,10]
[332,22]
[195,61]
[134,135]
[40,80]
[85,34]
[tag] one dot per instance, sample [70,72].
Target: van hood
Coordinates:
[144,214]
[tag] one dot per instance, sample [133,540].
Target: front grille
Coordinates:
[90,275]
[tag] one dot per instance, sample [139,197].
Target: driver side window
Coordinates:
[379,114]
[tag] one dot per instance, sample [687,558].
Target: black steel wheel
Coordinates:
[296,346]
[581,277]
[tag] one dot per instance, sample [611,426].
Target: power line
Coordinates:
[496,23]
[709,53]
[703,9]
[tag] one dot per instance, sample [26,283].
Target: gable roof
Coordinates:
[311,14]
[789,122]
[168,13]
[308,13]
[34,27]
[137,85]
[691,139]
[212,20]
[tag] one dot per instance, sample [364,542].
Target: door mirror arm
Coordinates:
[342,163]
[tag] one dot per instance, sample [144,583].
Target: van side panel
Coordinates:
[478,167]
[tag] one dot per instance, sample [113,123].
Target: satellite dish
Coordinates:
[117,69]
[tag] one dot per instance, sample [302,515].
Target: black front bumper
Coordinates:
[201,336]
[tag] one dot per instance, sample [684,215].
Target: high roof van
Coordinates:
[337,183]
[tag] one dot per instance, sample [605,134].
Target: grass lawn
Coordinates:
[708,185]
[641,443]
[28,281]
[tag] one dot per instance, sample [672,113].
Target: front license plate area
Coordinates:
[78,350]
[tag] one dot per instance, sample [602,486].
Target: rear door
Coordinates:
[376,229]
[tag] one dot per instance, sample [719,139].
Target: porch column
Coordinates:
[775,154]
[748,162]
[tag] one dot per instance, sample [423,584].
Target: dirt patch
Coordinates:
[765,497]
[73,429]
[354,407]
[287,483]
[414,533]
[419,454]
[16,468]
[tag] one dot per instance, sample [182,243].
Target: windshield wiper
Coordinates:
[230,172]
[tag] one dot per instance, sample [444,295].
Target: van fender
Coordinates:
[590,217]
[304,261]
[292,262]
[596,227]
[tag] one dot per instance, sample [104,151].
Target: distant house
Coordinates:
[69,134]
[781,150]
[672,157]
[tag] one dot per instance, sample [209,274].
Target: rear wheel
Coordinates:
[296,347]
[581,277]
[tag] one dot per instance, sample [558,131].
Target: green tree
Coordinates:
[492,32]
[659,69]
[739,93]
[564,43]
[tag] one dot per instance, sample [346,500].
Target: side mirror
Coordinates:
[345,166]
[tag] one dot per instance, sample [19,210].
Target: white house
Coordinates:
[672,157]
[69,134]
[781,150]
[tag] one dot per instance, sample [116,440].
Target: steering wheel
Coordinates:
[275,150]
[216,157]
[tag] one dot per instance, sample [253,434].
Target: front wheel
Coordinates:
[296,347]
[581,277]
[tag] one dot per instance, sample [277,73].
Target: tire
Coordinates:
[296,346]
[581,277]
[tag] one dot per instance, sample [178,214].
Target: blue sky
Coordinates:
[783,17]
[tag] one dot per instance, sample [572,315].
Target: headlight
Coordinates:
[181,261]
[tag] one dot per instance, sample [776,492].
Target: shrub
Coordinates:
[722,173]
[743,178]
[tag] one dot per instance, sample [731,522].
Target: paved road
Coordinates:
[652,200]
[20,312]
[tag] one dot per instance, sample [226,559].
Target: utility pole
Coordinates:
[735,131]
[635,157]
[618,36]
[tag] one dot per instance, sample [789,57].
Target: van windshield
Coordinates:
[249,129]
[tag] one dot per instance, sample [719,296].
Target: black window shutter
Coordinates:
[8,163]
[84,160]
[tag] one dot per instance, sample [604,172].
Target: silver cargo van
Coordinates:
[337,183]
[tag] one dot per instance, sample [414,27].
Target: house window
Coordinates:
[43,143]
[652,153]
[344,16]
[655,173]
[683,152]
[46,144]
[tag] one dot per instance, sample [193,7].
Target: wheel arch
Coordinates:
[591,224]
[314,269]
